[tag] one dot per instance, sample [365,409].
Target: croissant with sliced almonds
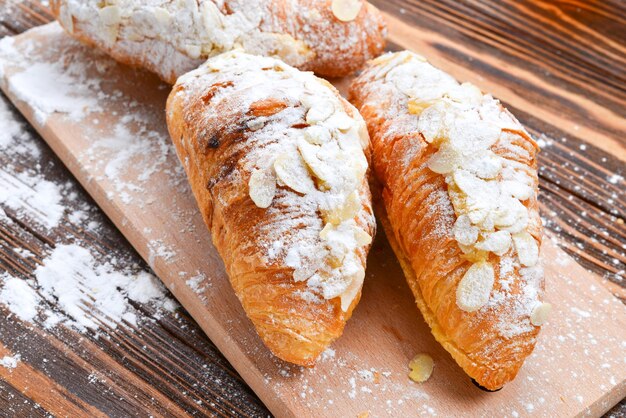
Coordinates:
[170,37]
[459,205]
[277,161]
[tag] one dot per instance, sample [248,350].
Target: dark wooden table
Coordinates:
[570,58]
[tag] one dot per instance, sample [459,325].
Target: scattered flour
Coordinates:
[197,283]
[90,293]
[86,293]
[10,362]
[50,89]
[31,195]
[19,297]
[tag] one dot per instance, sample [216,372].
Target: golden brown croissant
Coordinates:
[459,179]
[170,37]
[275,158]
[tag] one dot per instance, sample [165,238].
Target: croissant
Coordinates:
[171,37]
[277,161]
[459,189]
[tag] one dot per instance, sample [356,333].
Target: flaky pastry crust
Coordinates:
[243,127]
[487,328]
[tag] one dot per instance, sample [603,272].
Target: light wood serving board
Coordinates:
[106,122]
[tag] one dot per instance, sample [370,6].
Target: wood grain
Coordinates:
[565,195]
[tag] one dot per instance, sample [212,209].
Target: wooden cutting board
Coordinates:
[106,122]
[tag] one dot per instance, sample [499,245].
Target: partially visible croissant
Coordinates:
[170,37]
[459,178]
[275,158]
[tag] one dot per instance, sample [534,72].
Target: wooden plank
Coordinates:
[158,216]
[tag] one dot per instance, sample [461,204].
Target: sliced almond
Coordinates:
[193,51]
[308,151]
[162,15]
[109,34]
[432,122]
[290,169]
[464,232]
[347,211]
[362,238]
[540,313]
[421,367]
[262,187]
[317,135]
[110,15]
[341,121]
[416,107]
[465,93]
[485,165]
[496,242]
[509,211]
[445,160]
[319,112]
[348,295]
[211,16]
[517,189]
[346,10]
[475,287]
[527,249]
[326,230]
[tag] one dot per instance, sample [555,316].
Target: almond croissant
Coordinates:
[170,37]
[459,179]
[277,162]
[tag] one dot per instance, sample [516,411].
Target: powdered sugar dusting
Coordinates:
[85,292]
[174,37]
[304,165]
[10,362]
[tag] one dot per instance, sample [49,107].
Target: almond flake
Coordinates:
[211,16]
[110,15]
[421,367]
[362,238]
[356,283]
[432,122]
[348,211]
[290,169]
[262,188]
[193,51]
[475,287]
[346,10]
[496,242]
[326,230]
[416,107]
[464,232]
[445,160]
[320,112]
[341,121]
[162,15]
[309,152]
[317,135]
[485,165]
[540,313]
[527,249]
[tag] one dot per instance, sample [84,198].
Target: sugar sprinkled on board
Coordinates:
[10,362]
[70,273]
[48,89]
[19,297]
[30,194]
